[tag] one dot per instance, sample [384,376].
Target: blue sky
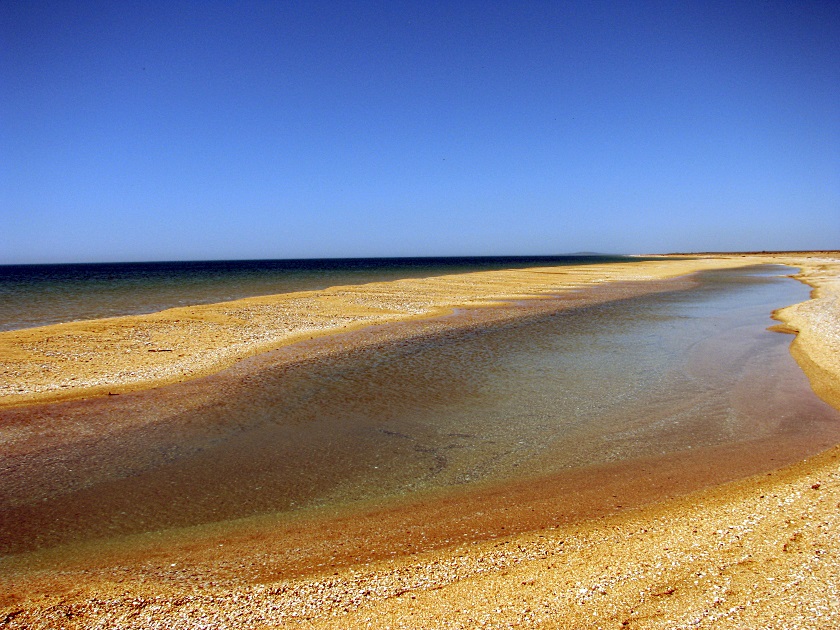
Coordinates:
[214,130]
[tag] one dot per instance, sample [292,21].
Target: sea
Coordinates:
[37,295]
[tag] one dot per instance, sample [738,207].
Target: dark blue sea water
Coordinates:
[35,295]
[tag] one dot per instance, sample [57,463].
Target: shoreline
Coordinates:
[641,565]
[756,552]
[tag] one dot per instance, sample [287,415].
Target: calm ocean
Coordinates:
[35,295]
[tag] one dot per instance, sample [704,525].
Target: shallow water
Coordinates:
[647,376]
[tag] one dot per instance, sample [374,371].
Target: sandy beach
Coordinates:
[760,551]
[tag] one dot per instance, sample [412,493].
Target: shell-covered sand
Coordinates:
[762,552]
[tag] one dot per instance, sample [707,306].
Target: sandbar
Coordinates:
[115,355]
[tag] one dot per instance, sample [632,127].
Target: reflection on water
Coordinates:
[570,388]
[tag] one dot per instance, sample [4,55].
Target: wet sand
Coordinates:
[528,559]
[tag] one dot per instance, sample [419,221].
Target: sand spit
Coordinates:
[762,552]
[116,355]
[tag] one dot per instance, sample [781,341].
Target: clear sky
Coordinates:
[213,130]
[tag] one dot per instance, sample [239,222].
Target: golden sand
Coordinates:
[762,552]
